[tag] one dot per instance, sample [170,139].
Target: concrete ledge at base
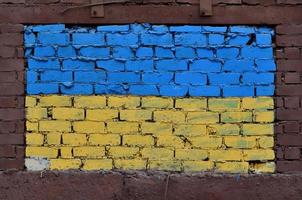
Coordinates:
[140,185]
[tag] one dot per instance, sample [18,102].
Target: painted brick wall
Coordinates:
[288,54]
[194,98]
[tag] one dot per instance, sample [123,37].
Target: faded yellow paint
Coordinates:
[232,135]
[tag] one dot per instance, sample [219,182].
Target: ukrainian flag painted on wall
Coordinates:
[150,97]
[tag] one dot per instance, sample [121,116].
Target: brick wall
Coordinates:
[229,131]
[288,55]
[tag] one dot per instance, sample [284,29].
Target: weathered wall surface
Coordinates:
[284,16]
[192,98]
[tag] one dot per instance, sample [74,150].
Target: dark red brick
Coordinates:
[7,127]
[11,64]
[7,114]
[289,166]
[289,139]
[9,164]
[12,88]
[7,151]
[292,53]
[289,29]
[292,77]
[291,127]
[292,153]
[11,28]
[8,77]
[11,39]
[8,102]
[11,139]
[292,102]
[289,40]
[289,65]
[7,52]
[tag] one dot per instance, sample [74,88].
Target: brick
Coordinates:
[77,89]
[289,166]
[191,154]
[36,113]
[257,78]
[101,114]
[157,153]
[95,52]
[156,128]
[68,113]
[66,52]
[122,127]
[11,139]
[104,139]
[66,152]
[135,115]
[90,101]
[257,129]
[88,39]
[9,164]
[189,130]
[42,88]
[184,52]
[233,167]
[190,78]
[144,52]
[261,155]
[89,152]
[77,64]
[65,164]
[204,53]
[53,139]
[157,78]
[236,65]
[197,166]
[8,77]
[110,65]
[191,104]
[143,90]
[259,103]
[202,65]
[56,125]
[169,116]
[206,142]
[53,38]
[267,116]
[202,117]
[113,28]
[238,91]
[266,142]
[7,151]
[47,51]
[123,152]
[157,102]
[128,39]
[88,127]
[192,39]
[54,100]
[99,164]
[7,52]
[171,65]
[226,155]
[208,91]
[268,167]
[34,139]
[230,117]
[220,104]
[173,90]
[223,129]
[224,78]
[130,164]
[289,139]
[240,142]
[216,39]
[90,77]
[45,152]
[242,29]
[292,153]
[138,140]
[164,40]
[8,102]
[229,53]
[169,141]
[74,139]
[165,165]
[163,52]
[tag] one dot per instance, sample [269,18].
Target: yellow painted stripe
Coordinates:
[158,133]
